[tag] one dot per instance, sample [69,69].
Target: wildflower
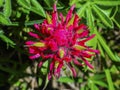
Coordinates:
[62,41]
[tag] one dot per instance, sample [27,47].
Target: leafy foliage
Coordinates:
[17,17]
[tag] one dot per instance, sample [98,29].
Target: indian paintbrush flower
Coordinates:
[62,40]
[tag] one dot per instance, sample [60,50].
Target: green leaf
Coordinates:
[90,19]
[23,86]
[40,80]
[7,40]
[97,77]
[109,80]
[46,82]
[73,2]
[44,68]
[4,20]
[106,47]
[24,10]
[33,6]
[101,50]
[7,8]
[107,2]
[33,22]
[115,11]
[107,11]
[101,83]
[8,70]
[28,23]
[37,8]
[114,69]
[115,17]
[48,2]
[104,18]
[93,41]
[51,8]
[116,55]
[24,3]
[82,10]
[95,87]
[116,22]
[65,80]
[92,86]
[17,83]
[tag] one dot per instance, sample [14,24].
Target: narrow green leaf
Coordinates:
[114,69]
[82,10]
[17,83]
[96,88]
[107,2]
[40,80]
[107,11]
[101,50]
[97,77]
[46,83]
[4,20]
[90,20]
[65,80]
[33,22]
[44,68]
[115,21]
[11,78]
[7,8]
[8,70]
[48,2]
[93,42]
[73,2]
[106,47]
[100,83]
[91,85]
[29,23]
[7,40]
[115,12]
[116,16]
[104,18]
[24,10]
[109,80]
[51,8]
[24,3]
[33,9]
[38,8]
[24,86]
[34,6]
[116,55]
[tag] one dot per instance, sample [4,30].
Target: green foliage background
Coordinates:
[17,17]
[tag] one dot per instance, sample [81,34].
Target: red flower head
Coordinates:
[63,41]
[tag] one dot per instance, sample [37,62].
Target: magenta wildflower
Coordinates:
[63,41]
